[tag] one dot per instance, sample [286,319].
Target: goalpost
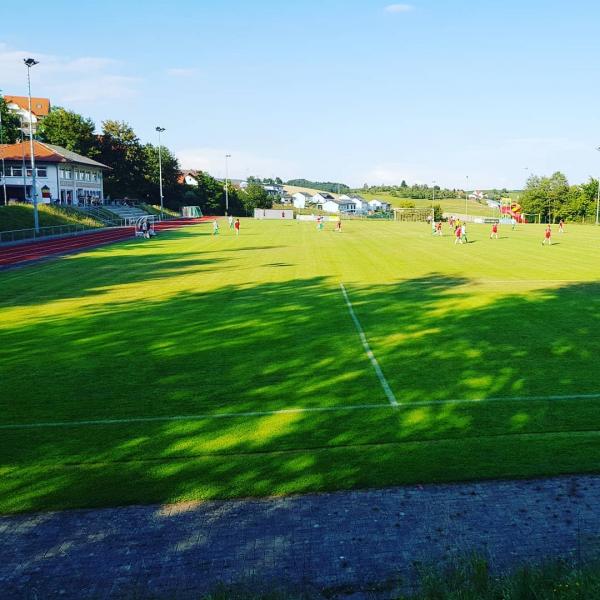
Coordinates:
[412,215]
[532,217]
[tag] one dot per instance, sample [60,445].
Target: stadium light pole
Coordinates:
[466,199]
[227,156]
[3,165]
[433,201]
[159,130]
[31,62]
[598,196]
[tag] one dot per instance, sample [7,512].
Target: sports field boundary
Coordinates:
[285,411]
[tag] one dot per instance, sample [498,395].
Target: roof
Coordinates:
[46,153]
[305,194]
[40,107]
[325,195]
[187,172]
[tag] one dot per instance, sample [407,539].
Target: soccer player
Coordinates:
[494,233]
[438,228]
[338,225]
[561,226]
[230,219]
[463,233]
[236,226]
[458,234]
[215,227]
[547,236]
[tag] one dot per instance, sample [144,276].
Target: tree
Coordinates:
[255,196]
[403,184]
[546,196]
[9,132]
[71,131]
[121,150]
[170,174]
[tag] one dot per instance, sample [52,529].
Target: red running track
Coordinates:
[30,251]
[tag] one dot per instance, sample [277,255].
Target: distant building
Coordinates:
[273,189]
[62,176]
[330,206]
[379,205]
[40,107]
[301,199]
[189,177]
[321,198]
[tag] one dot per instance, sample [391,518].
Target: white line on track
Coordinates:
[287,411]
[363,338]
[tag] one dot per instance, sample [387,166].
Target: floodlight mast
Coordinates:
[160,185]
[31,62]
[466,200]
[227,156]
[3,165]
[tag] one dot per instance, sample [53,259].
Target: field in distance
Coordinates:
[191,366]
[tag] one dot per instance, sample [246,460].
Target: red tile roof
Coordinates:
[45,153]
[40,107]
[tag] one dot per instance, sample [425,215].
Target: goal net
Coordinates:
[413,214]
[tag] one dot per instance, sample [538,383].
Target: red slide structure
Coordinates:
[36,250]
[514,211]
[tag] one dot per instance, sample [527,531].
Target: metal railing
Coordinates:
[19,235]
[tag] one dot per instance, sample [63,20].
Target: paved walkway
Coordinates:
[362,544]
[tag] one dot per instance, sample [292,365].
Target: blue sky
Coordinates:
[355,91]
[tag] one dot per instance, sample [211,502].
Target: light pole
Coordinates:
[433,202]
[31,62]
[3,166]
[466,199]
[159,131]
[226,186]
[598,196]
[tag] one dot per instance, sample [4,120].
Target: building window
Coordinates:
[16,171]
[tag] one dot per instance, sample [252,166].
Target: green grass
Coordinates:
[449,205]
[20,216]
[191,324]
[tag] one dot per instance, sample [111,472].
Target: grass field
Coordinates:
[491,350]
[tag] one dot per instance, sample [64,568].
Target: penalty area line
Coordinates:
[286,411]
[363,338]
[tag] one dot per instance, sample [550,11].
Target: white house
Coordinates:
[301,199]
[376,205]
[331,206]
[62,176]
[355,204]
[189,177]
[321,197]
[40,107]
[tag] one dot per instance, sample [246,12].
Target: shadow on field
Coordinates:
[285,345]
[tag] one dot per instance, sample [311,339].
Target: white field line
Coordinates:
[363,338]
[286,411]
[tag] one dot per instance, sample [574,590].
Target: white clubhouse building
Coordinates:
[62,176]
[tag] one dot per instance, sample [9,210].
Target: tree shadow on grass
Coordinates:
[289,345]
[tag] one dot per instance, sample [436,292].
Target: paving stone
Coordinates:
[357,545]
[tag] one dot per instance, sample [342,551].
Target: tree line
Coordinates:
[415,191]
[134,173]
[554,199]
[325,186]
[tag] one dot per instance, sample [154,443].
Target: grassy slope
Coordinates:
[189,324]
[20,216]
[449,205]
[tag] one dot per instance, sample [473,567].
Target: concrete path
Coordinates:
[364,544]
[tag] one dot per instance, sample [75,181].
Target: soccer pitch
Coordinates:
[193,367]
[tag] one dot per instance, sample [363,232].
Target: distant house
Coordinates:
[330,206]
[189,177]
[286,198]
[354,204]
[301,199]
[273,189]
[40,107]
[321,197]
[378,205]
